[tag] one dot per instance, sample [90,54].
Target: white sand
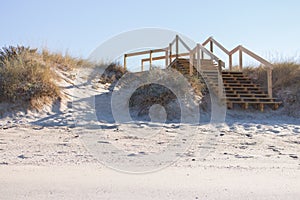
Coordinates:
[43,156]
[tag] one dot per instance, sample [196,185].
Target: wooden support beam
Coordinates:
[261,107]
[230,62]
[150,60]
[211,44]
[240,60]
[198,58]
[170,53]
[142,65]
[191,63]
[125,67]
[177,46]
[270,86]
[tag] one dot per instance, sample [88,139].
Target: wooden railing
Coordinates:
[240,49]
[198,53]
[195,55]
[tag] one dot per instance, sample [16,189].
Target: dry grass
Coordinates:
[286,83]
[27,77]
[112,73]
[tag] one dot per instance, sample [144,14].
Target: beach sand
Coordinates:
[52,155]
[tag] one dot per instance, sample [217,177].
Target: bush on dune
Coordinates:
[27,77]
[286,84]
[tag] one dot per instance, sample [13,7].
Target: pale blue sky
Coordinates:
[269,27]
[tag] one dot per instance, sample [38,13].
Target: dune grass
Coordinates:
[286,83]
[27,77]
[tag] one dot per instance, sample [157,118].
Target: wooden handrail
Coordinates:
[256,57]
[163,57]
[195,54]
[211,39]
[146,52]
[242,50]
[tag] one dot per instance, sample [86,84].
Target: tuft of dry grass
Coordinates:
[28,78]
[112,73]
[286,83]
[63,62]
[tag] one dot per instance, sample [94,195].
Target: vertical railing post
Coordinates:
[198,58]
[270,86]
[150,60]
[191,63]
[220,63]
[211,44]
[170,52]
[230,62]
[177,46]
[125,67]
[166,58]
[240,59]
[142,65]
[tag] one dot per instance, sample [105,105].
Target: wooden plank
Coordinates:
[145,52]
[163,57]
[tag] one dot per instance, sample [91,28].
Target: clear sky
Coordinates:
[269,27]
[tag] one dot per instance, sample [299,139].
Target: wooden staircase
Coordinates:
[238,89]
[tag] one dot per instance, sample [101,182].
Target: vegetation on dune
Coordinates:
[286,83]
[27,77]
[112,73]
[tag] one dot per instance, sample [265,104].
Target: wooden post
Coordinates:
[240,59]
[150,61]
[177,46]
[230,62]
[191,63]
[198,58]
[220,66]
[125,67]
[170,53]
[142,65]
[211,46]
[167,59]
[270,92]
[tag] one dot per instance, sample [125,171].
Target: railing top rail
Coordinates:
[184,44]
[256,57]
[146,52]
[233,51]
[211,39]
[212,56]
